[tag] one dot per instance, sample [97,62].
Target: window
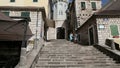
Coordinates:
[83,6]
[60,12]
[6,13]
[93,5]
[114,30]
[25,14]
[12,0]
[60,0]
[35,0]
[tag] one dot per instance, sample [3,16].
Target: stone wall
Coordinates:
[83,31]
[105,33]
[84,15]
[51,34]
[36,25]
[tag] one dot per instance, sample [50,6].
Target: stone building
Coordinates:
[36,3]
[37,23]
[101,26]
[36,11]
[36,15]
[59,15]
[79,11]
[84,10]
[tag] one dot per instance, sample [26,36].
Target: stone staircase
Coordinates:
[64,54]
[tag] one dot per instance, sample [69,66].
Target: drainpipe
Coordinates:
[23,48]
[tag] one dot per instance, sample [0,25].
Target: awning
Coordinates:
[13,31]
[5,18]
[50,23]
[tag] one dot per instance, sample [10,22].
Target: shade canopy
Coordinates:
[13,30]
[5,18]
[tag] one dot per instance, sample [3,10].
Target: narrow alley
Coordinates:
[65,54]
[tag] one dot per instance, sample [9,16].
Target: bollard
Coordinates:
[112,45]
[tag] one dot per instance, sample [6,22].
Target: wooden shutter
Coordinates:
[6,13]
[93,5]
[83,5]
[12,0]
[25,14]
[114,30]
[35,0]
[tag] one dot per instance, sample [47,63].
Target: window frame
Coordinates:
[12,0]
[35,0]
[7,13]
[25,14]
[83,5]
[114,29]
[93,5]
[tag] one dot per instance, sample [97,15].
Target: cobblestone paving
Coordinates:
[64,54]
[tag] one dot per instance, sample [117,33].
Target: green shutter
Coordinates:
[25,14]
[83,5]
[12,0]
[93,5]
[6,13]
[35,0]
[114,30]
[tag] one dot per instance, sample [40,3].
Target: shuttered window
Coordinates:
[6,13]
[93,5]
[83,6]
[25,14]
[12,0]
[35,0]
[114,30]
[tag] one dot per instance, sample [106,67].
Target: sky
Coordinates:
[104,2]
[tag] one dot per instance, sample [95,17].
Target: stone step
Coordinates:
[74,62]
[78,65]
[61,65]
[73,56]
[57,53]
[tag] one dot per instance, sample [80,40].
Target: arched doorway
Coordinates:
[60,33]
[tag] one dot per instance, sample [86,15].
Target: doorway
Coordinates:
[60,33]
[91,35]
